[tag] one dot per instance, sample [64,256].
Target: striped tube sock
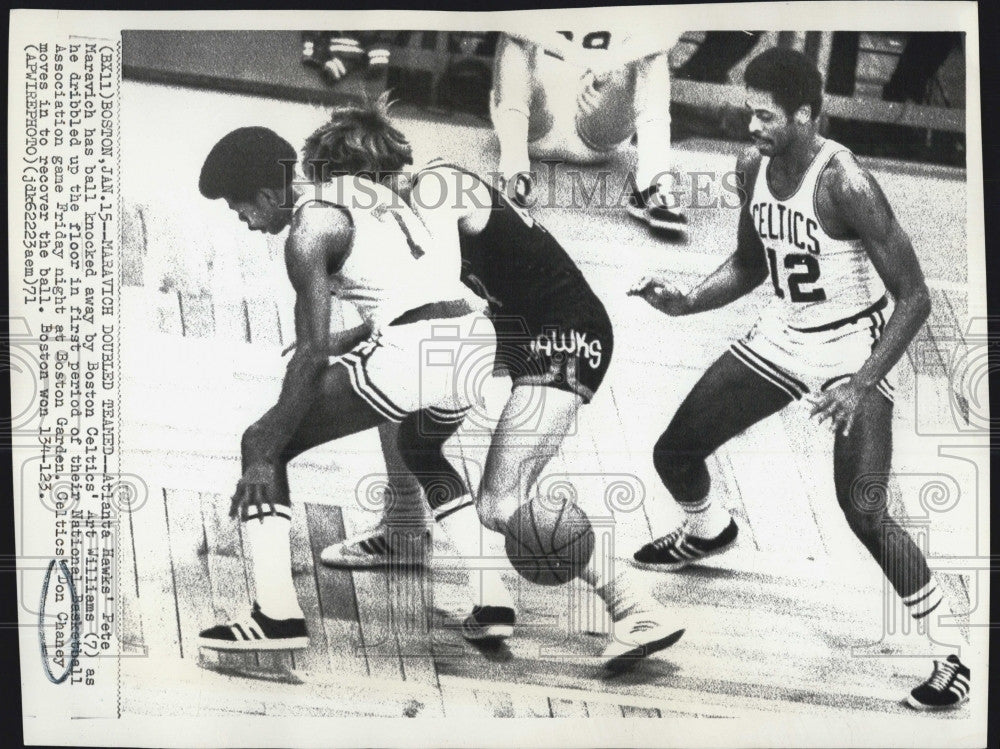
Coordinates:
[617,588]
[705,519]
[921,603]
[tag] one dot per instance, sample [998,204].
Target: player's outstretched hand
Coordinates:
[661,294]
[257,488]
[839,404]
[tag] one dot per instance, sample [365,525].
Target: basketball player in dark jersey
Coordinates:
[555,341]
[819,229]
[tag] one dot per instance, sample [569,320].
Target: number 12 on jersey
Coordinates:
[809,274]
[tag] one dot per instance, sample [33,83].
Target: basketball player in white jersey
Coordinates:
[578,96]
[354,238]
[817,228]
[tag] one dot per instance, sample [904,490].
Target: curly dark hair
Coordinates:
[358,139]
[246,161]
[789,76]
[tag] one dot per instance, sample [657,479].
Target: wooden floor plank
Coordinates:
[167,312]
[375,613]
[317,657]
[197,319]
[155,573]
[337,604]
[132,641]
[263,322]
[189,557]
[230,320]
[640,712]
[563,708]
[776,508]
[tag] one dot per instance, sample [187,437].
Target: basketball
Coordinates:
[549,542]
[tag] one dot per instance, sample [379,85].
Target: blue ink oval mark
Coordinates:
[74,617]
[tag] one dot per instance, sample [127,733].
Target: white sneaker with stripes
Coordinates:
[256,632]
[638,636]
[378,547]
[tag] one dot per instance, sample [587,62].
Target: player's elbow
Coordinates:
[922,302]
[917,299]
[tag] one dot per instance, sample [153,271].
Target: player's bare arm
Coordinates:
[319,239]
[860,206]
[740,274]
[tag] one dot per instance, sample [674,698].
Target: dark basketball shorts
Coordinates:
[572,353]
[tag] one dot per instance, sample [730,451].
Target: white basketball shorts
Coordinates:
[438,365]
[804,360]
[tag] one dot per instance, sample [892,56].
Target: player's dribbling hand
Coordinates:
[255,488]
[660,294]
[839,404]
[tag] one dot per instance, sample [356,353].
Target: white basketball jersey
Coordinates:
[817,279]
[388,270]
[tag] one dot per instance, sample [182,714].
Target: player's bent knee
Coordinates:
[673,461]
[866,523]
[496,509]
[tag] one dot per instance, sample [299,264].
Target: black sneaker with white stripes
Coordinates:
[256,632]
[946,689]
[489,623]
[680,548]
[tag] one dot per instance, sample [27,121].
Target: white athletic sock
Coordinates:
[476,543]
[271,560]
[706,519]
[653,154]
[511,126]
[923,604]
[405,508]
[652,124]
[615,585]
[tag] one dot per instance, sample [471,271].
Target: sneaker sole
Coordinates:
[365,563]
[287,643]
[665,227]
[674,566]
[637,213]
[629,658]
[490,632]
[917,705]
[640,214]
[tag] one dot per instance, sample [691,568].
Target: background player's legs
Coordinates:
[612,122]
[405,508]
[651,106]
[421,441]
[861,465]
[336,411]
[729,398]
[517,105]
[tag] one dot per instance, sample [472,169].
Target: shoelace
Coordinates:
[943,672]
[670,538]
